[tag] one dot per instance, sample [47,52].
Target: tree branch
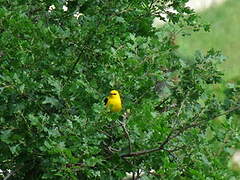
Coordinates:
[75,164]
[229,111]
[123,125]
[140,153]
[177,132]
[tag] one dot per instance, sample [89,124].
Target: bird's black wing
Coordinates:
[105,100]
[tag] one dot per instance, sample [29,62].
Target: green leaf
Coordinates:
[15,149]
[92,161]
[34,120]
[6,136]
[51,100]
[120,19]
[209,134]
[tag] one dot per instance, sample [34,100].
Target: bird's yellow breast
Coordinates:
[114,103]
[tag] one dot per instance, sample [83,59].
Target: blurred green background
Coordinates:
[224,36]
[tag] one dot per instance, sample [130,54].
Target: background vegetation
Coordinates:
[224,36]
[56,70]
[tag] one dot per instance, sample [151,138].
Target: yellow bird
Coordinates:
[113,101]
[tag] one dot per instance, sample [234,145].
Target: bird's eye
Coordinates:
[114,94]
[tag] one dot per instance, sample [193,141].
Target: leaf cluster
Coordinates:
[57,69]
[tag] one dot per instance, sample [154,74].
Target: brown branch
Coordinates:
[158,107]
[75,164]
[185,128]
[161,147]
[140,153]
[229,111]
[177,132]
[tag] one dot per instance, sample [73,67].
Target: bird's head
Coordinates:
[114,93]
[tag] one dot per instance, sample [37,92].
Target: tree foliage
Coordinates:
[56,70]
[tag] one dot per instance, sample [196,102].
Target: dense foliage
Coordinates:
[57,68]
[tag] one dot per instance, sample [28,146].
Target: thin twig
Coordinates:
[75,164]
[229,111]
[175,149]
[123,124]
[182,103]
